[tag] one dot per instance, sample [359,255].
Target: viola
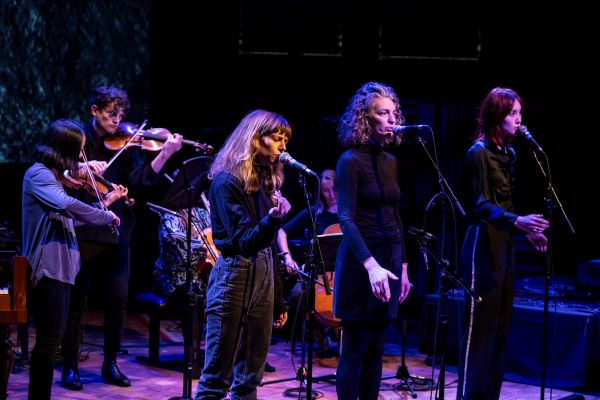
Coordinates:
[153,139]
[84,181]
[206,265]
[213,253]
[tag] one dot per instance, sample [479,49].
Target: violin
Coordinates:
[84,181]
[153,139]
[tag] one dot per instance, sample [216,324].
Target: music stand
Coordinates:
[189,183]
[330,242]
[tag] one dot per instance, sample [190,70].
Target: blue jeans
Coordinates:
[239,311]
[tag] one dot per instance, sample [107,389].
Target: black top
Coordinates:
[368,198]
[241,224]
[368,209]
[490,174]
[131,170]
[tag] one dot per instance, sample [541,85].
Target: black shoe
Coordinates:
[71,379]
[112,374]
[269,367]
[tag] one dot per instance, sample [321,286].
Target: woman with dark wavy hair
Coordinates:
[371,276]
[50,245]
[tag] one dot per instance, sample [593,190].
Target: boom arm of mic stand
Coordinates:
[444,264]
[442,180]
[308,278]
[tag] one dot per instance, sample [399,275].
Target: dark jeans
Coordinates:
[359,369]
[239,319]
[49,305]
[112,262]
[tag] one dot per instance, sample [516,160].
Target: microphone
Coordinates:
[286,159]
[400,129]
[523,131]
[160,210]
[420,233]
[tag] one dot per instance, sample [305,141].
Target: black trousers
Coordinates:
[112,264]
[358,374]
[49,305]
[488,261]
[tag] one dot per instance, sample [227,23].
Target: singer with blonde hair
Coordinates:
[247,210]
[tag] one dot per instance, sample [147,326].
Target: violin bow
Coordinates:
[95,186]
[137,131]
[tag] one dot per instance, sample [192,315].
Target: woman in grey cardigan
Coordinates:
[49,243]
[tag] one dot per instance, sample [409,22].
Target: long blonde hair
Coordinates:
[238,153]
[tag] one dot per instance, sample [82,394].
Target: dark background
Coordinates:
[197,69]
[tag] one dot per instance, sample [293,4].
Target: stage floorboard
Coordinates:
[149,382]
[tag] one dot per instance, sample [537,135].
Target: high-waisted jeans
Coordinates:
[239,310]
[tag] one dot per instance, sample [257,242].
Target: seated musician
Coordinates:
[171,265]
[299,227]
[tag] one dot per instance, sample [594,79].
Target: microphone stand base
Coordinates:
[300,393]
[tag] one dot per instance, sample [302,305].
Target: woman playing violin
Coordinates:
[101,250]
[50,245]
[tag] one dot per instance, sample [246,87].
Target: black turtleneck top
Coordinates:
[368,198]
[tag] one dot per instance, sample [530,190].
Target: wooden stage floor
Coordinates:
[164,383]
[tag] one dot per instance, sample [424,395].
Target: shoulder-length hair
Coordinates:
[326,175]
[494,108]
[354,128]
[60,146]
[238,153]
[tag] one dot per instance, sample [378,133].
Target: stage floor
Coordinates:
[164,383]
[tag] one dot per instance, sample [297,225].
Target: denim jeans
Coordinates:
[239,310]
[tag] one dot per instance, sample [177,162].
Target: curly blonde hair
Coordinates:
[240,149]
[354,128]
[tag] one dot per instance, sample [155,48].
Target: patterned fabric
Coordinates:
[170,267]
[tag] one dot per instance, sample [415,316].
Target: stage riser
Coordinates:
[573,337]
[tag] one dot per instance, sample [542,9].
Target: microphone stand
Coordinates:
[444,186]
[446,275]
[315,266]
[551,199]
[193,174]
[301,373]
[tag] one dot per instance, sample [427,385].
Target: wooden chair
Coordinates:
[13,310]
